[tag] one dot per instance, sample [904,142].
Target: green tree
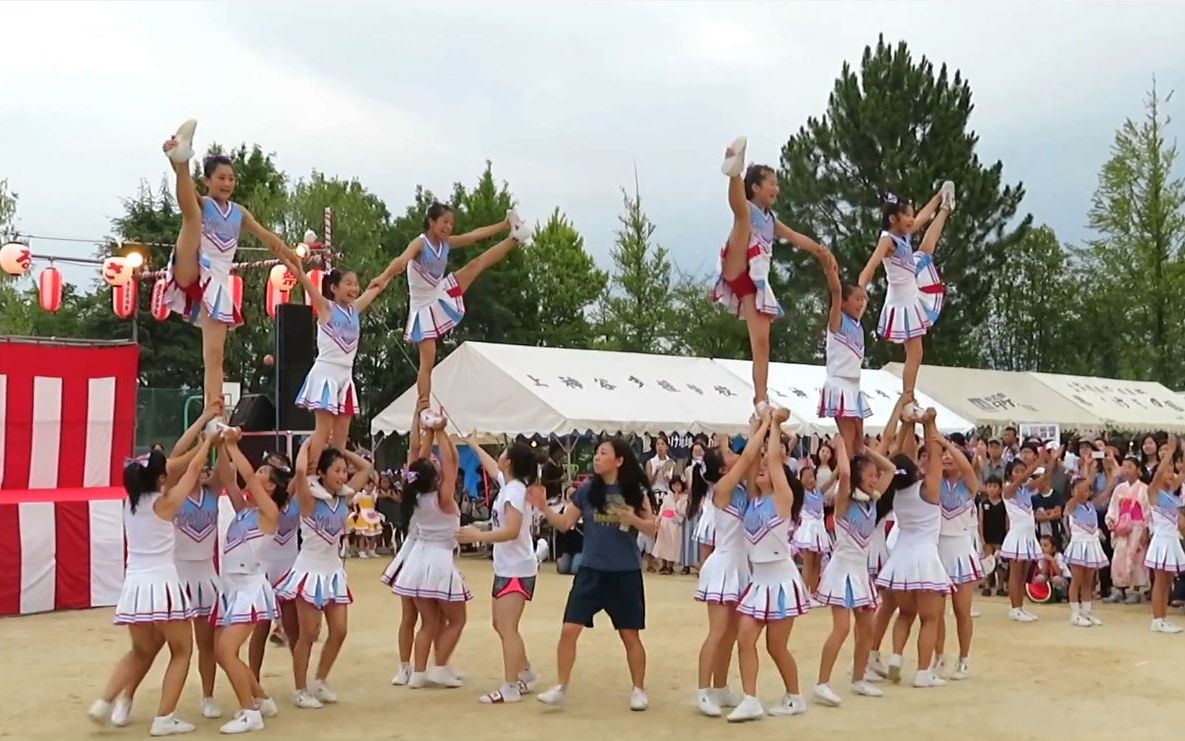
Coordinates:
[895,125]
[700,327]
[1138,211]
[635,313]
[564,282]
[15,317]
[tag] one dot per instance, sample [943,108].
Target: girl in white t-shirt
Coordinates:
[515,563]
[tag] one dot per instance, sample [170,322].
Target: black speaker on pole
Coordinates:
[295,351]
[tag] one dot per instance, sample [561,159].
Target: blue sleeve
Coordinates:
[580,498]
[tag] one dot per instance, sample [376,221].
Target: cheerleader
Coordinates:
[1085,553]
[437,296]
[428,575]
[743,283]
[959,551]
[724,575]
[199,268]
[1165,557]
[515,565]
[246,596]
[841,398]
[846,585]
[277,554]
[914,297]
[775,594]
[317,580]
[152,602]
[810,538]
[914,571]
[328,390]
[884,537]
[705,530]
[1020,547]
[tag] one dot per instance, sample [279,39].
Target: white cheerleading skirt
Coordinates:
[722,578]
[705,530]
[436,311]
[811,535]
[209,294]
[245,598]
[275,569]
[1086,551]
[960,558]
[842,399]
[429,572]
[914,566]
[319,585]
[201,584]
[760,257]
[1165,554]
[392,571]
[152,596]
[880,546]
[846,583]
[1020,544]
[775,592]
[329,387]
[911,309]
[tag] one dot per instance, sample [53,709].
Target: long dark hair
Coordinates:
[140,476]
[419,478]
[702,478]
[797,490]
[524,464]
[906,476]
[631,479]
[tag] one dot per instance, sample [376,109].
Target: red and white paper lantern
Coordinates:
[49,289]
[123,299]
[116,271]
[159,304]
[281,277]
[235,286]
[315,276]
[15,258]
[275,297]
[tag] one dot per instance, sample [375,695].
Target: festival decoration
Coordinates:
[15,258]
[49,289]
[116,271]
[275,297]
[159,304]
[123,299]
[316,275]
[282,278]
[235,286]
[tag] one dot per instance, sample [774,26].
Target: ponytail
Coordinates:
[140,475]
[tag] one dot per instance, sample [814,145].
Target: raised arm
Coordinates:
[224,471]
[966,470]
[783,494]
[488,463]
[843,477]
[179,459]
[292,262]
[883,245]
[377,286]
[475,236]
[269,513]
[729,481]
[801,241]
[269,240]
[300,481]
[167,505]
[362,469]
[1164,467]
[448,472]
[835,313]
[932,483]
[889,435]
[885,467]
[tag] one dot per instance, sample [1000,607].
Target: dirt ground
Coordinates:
[1029,680]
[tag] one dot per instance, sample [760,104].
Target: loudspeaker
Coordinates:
[254,413]
[295,351]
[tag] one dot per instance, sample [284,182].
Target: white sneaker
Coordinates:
[726,698]
[210,709]
[523,232]
[305,701]
[824,695]
[1162,625]
[244,721]
[938,668]
[167,725]
[735,165]
[100,710]
[442,677]
[554,696]
[402,676]
[948,194]
[894,673]
[705,702]
[638,699]
[928,679]
[877,667]
[417,680]
[121,712]
[1078,620]
[455,672]
[872,677]
[1018,615]
[267,707]
[975,612]
[322,692]
[1093,620]
[749,709]
[363,554]
[183,152]
[513,219]
[962,670]
[866,689]
[1032,617]
[790,705]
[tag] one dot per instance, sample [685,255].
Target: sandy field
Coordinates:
[1029,681]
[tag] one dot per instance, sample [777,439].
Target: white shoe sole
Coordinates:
[183,152]
[734,166]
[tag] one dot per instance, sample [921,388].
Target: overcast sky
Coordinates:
[564,98]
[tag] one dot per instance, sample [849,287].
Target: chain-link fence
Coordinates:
[161,415]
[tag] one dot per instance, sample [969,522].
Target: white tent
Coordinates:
[1128,405]
[524,390]
[796,387]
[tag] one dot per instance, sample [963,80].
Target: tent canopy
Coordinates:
[797,387]
[1128,405]
[524,390]
[992,397]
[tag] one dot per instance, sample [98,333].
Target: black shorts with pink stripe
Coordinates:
[506,585]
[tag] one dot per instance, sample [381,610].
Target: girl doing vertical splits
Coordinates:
[1165,557]
[746,260]
[724,575]
[915,294]
[775,594]
[841,398]
[199,268]
[437,296]
[152,602]
[846,585]
[317,581]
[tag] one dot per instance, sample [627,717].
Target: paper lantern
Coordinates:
[15,258]
[116,271]
[49,289]
[310,237]
[159,304]
[316,275]
[123,299]
[275,297]
[235,286]
[281,277]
